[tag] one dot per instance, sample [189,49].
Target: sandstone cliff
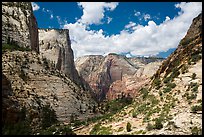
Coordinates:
[113,75]
[34,88]
[55,45]
[19,25]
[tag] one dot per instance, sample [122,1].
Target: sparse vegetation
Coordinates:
[171,85]
[166,89]
[196,108]
[184,69]
[193,76]
[158,123]
[12,46]
[149,127]
[196,131]
[144,92]
[57,130]
[128,127]
[157,83]
[22,127]
[48,117]
[100,130]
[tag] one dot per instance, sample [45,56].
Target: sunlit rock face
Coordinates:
[113,75]
[55,45]
[19,25]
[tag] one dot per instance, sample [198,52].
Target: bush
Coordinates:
[167,79]
[98,130]
[184,69]
[167,89]
[128,127]
[157,83]
[57,130]
[158,123]
[13,47]
[171,85]
[22,127]
[193,76]
[196,108]
[149,127]
[196,131]
[144,92]
[48,117]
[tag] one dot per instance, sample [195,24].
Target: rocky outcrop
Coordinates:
[34,82]
[114,74]
[55,45]
[19,25]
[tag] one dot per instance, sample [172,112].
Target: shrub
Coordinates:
[171,85]
[22,127]
[167,89]
[167,79]
[144,92]
[184,69]
[196,108]
[193,76]
[48,117]
[98,130]
[149,127]
[57,130]
[196,131]
[157,83]
[192,96]
[134,114]
[128,127]
[158,123]
[12,46]
[195,57]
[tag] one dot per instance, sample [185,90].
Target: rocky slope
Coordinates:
[114,75]
[19,25]
[34,82]
[172,101]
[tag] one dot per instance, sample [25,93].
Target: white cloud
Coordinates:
[130,25]
[93,12]
[49,12]
[51,16]
[35,6]
[137,13]
[143,40]
[109,20]
[146,17]
[142,16]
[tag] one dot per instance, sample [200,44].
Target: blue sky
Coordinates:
[133,28]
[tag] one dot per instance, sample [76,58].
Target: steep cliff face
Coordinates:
[19,25]
[55,45]
[36,86]
[111,75]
